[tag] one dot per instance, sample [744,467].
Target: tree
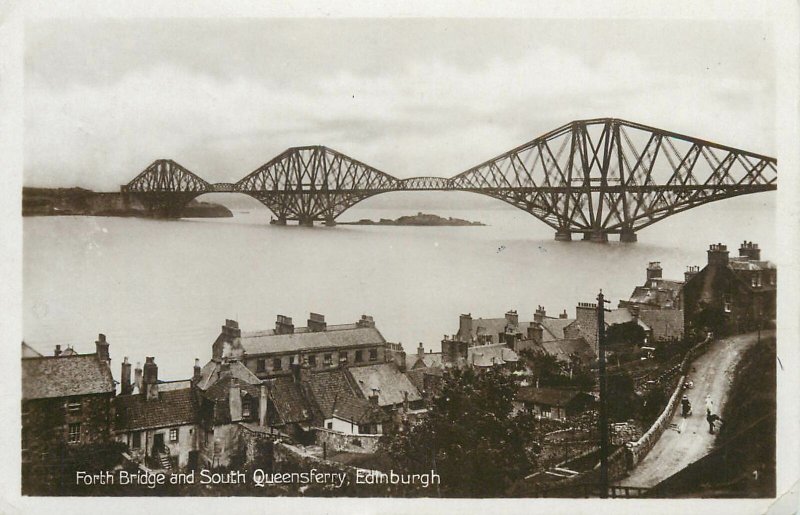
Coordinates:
[471,437]
[623,403]
[627,334]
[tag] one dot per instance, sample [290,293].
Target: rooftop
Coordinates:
[289,402]
[64,376]
[346,335]
[172,408]
[565,348]
[212,371]
[554,328]
[489,355]
[390,382]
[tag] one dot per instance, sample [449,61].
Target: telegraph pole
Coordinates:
[601,351]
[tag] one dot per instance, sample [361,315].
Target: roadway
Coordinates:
[690,440]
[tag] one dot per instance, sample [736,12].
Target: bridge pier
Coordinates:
[563,235]
[628,236]
[330,222]
[278,221]
[596,236]
[306,222]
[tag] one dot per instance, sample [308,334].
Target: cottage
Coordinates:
[65,402]
[554,403]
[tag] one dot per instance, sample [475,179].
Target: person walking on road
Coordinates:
[712,418]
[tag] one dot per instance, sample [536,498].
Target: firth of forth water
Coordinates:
[163,288]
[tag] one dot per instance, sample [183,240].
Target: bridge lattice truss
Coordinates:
[592,176]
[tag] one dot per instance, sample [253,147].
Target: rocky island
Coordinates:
[83,202]
[420,219]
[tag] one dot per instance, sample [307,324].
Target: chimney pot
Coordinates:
[57,351]
[126,388]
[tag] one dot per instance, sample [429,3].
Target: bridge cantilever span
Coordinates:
[591,177]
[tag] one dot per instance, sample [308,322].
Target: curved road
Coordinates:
[712,374]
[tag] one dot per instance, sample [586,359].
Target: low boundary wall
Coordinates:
[638,450]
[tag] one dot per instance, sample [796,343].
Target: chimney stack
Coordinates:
[690,272]
[231,330]
[420,350]
[57,351]
[101,346]
[718,254]
[137,378]
[539,315]
[512,318]
[150,379]
[653,271]
[316,323]
[535,332]
[563,315]
[465,327]
[750,250]
[366,321]
[284,325]
[126,388]
[197,371]
[235,401]
[262,405]
[405,402]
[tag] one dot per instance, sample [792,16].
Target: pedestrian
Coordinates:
[709,405]
[712,418]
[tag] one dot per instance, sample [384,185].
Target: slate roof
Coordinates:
[172,408]
[489,355]
[64,376]
[622,316]
[488,326]
[164,386]
[429,359]
[746,264]
[334,394]
[388,379]
[210,374]
[554,328]
[265,342]
[289,402]
[547,396]
[563,349]
[666,323]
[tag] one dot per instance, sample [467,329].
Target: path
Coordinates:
[712,374]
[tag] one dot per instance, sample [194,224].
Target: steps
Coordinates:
[163,459]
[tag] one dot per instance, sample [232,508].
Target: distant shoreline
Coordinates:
[419,220]
[82,202]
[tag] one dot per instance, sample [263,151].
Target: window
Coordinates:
[261,365]
[173,434]
[74,406]
[136,440]
[246,408]
[312,360]
[74,433]
[373,354]
[755,281]
[291,360]
[343,357]
[545,410]
[276,364]
[330,425]
[327,359]
[359,356]
[727,306]
[772,279]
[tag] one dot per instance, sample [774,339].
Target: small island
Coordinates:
[420,219]
[83,202]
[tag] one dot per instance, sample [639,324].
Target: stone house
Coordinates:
[272,352]
[65,402]
[731,294]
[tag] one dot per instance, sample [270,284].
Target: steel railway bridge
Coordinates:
[591,177]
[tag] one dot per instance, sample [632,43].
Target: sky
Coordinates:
[104,98]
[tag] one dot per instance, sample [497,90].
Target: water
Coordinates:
[163,288]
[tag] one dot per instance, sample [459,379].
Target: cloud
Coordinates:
[428,117]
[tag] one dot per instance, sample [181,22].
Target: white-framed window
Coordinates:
[173,434]
[291,360]
[74,406]
[545,411]
[373,354]
[246,408]
[327,359]
[727,304]
[74,433]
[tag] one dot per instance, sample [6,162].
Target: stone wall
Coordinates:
[336,441]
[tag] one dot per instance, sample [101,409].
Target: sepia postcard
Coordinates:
[343,258]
